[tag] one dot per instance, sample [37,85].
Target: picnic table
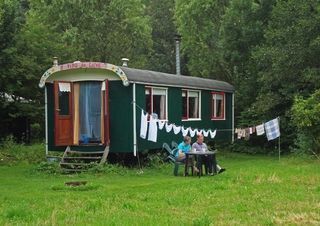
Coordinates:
[196,154]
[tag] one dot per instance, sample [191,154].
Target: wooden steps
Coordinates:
[79,161]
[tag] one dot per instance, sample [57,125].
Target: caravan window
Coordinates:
[64,98]
[191,104]
[156,102]
[218,106]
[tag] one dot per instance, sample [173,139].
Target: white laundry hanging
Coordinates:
[205,133]
[143,125]
[213,134]
[192,132]
[153,130]
[161,124]
[168,127]
[176,129]
[198,131]
[260,130]
[185,131]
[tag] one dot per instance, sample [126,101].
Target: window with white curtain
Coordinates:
[190,104]
[218,105]
[156,102]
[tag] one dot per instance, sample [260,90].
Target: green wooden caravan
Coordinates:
[94,105]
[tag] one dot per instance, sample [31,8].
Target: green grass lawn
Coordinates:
[255,190]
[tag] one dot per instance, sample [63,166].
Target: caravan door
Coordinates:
[63,126]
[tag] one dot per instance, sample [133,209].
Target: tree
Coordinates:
[161,13]
[199,22]
[242,30]
[287,62]
[100,31]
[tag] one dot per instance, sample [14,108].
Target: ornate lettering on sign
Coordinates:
[78,65]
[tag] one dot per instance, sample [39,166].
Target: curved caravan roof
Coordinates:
[102,71]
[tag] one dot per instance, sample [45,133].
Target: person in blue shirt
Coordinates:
[183,148]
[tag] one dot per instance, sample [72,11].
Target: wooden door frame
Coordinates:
[106,112]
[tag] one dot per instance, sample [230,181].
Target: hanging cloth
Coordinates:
[184,131]
[205,133]
[247,136]
[272,129]
[176,129]
[144,125]
[153,130]
[168,127]
[243,134]
[213,134]
[239,132]
[260,130]
[161,124]
[192,132]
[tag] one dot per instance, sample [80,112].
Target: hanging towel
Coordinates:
[213,134]
[247,134]
[272,129]
[192,132]
[144,125]
[184,131]
[243,133]
[205,133]
[176,129]
[251,130]
[153,130]
[239,131]
[161,124]
[168,127]
[260,129]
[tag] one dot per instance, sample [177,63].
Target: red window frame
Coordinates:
[222,117]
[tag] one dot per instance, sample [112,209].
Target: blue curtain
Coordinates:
[90,111]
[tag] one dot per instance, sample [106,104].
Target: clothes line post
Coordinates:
[279,138]
[134,121]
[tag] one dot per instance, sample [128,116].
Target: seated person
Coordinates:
[209,160]
[183,148]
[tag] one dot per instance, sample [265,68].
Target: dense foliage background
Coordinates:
[268,49]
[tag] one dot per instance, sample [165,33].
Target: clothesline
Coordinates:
[152,124]
[137,105]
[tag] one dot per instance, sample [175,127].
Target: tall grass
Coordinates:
[11,152]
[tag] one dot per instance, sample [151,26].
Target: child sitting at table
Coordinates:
[183,148]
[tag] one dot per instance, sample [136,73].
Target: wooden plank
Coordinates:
[86,152]
[82,157]
[105,155]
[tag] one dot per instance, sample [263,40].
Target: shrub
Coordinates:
[48,167]
[11,152]
[306,115]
